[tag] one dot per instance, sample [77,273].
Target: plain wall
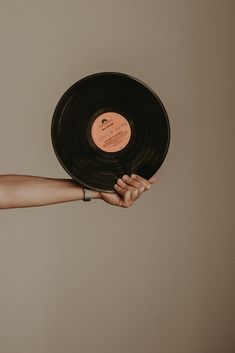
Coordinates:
[91,278]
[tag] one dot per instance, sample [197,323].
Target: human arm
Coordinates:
[30,191]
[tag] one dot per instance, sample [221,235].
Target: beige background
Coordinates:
[91,278]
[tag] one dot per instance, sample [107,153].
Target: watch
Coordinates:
[87,194]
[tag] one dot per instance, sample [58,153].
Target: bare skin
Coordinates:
[29,191]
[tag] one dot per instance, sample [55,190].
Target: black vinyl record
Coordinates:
[109,124]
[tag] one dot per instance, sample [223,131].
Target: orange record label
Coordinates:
[111,132]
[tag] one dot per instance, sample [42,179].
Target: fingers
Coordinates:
[146,183]
[134,183]
[126,185]
[126,195]
[152,180]
[130,188]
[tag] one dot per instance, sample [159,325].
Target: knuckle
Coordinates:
[136,192]
[125,205]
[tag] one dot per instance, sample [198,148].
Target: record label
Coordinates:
[111,132]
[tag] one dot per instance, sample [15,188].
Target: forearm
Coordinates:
[29,191]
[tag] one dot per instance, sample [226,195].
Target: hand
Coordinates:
[128,190]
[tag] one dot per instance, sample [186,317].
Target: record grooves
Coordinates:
[109,124]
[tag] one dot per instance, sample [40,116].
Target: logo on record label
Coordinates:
[111,132]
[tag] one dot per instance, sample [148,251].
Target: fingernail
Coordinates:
[125,177]
[133,176]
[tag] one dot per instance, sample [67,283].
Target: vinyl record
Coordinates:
[109,124]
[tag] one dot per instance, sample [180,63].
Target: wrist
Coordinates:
[95,195]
